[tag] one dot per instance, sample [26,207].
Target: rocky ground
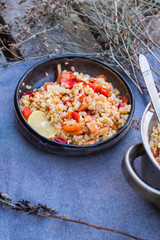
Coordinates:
[22,26]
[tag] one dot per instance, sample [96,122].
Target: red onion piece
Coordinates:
[60,140]
[27,93]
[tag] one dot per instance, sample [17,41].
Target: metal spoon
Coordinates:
[149,81]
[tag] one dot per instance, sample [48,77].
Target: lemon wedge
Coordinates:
[38,121]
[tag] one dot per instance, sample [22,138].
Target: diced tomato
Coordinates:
[47,108]
[124,99]
[60,140]
[102,76]
[156,153]
[98,88]
[74,82]
[76,116]
[82,97]
[46,84]
[104,91]
[93,86]
[69,75]
[82,82]
[122,105]
[66,75]
[68,82]
[26,112]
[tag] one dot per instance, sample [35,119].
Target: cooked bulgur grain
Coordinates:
[155,143]
[84,109]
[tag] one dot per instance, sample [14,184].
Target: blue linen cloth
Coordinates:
[91,188]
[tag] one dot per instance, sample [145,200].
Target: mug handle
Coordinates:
[146,191]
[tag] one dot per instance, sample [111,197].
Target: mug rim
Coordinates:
[146,119]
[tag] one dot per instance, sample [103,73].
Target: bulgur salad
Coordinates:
[76,108]
[155,143]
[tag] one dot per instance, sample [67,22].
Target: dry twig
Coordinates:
[44,211]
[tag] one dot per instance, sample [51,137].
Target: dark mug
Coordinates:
[148,185]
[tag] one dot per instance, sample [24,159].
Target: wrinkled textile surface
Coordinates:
[91,188]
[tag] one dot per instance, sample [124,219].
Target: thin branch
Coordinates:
[39,33]
[5,47]
[149,50]
[140,21]
[116,11]
[44,211]
[124,70]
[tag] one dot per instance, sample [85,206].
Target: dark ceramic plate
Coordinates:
[35,77]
